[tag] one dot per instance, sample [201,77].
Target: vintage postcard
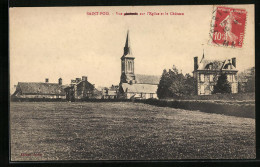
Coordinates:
[132,83]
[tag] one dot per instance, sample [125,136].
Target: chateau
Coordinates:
[135,85]
[206,74]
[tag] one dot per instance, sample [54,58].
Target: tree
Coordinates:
[222,85]
[189,85]
[250,84]
[246,80]
[164,84]
[174,84]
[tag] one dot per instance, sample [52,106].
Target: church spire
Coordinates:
[127,49]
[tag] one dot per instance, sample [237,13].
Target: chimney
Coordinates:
[60,81]
[84,78]
[234,62]
[73,81]
[78,80]
[46,80]
[195,63]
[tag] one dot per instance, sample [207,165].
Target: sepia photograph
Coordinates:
[132,83]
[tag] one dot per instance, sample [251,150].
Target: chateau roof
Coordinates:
[139,88]
[41,88]
[216,65]
[147,79]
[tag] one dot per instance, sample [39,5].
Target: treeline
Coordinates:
[246,80]
[174,84]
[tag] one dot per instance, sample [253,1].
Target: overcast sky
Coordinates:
[68,43]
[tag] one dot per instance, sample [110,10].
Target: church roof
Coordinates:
[139,88]
[147,79]
[41,88]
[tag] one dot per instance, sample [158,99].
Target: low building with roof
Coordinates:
[206,73]
[39,90]
[135,85]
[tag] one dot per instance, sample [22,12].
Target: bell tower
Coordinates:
[127,63]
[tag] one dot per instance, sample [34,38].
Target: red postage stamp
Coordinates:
[228,27]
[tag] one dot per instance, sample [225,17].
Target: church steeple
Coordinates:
[127,49]
[127,63]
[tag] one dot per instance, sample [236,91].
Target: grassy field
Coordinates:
[125,131]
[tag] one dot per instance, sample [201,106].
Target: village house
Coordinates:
[111,92]
[206,73]
[39,90]
[81,89]
[133,85]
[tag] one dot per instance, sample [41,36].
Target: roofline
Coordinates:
[140,84]
[215,70]
[142,92]
[42,94]
[124,56]
[40,83]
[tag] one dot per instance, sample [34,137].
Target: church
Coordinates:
[135,85]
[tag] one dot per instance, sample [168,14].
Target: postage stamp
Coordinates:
[228,27]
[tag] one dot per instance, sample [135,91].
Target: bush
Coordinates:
[235,109]
[222,85]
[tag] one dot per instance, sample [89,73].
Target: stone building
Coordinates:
[133,85]
[39,90]
[110,93]
[81,89]
[206,73]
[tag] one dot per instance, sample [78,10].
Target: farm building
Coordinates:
[206,73]
[81,89]
[135,86]
[110,93]
[39,90]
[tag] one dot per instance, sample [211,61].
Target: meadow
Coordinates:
[125,131]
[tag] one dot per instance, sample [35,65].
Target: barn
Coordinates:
[39,90]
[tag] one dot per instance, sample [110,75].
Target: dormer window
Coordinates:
[210,66]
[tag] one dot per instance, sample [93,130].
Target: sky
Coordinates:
[66,42]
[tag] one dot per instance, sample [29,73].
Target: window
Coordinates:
[211,77]
[151,95]
[202,77]
[229,78]
[130,66]
[234,78]
[211,88]
[233,88]
[202,89]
